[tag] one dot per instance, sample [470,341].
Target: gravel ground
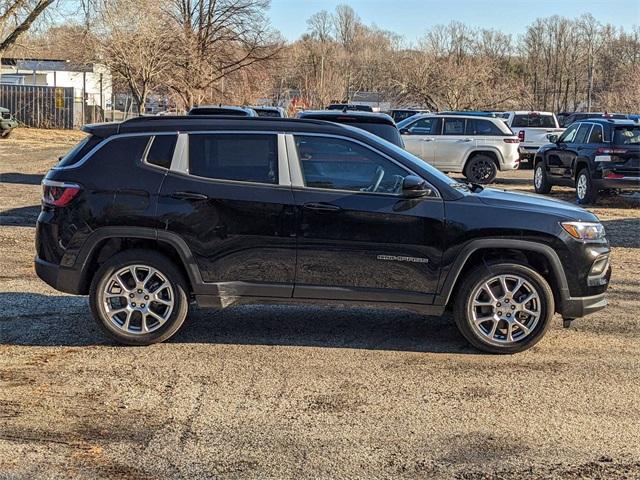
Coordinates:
[298,392]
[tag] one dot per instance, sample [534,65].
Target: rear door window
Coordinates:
[596,135]
[453,126]
[239,157]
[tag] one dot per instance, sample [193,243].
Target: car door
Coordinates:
[454,145]
[556,156]
[358,239]
[229,199]
[419,138]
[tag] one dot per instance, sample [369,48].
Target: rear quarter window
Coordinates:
[483,127]
[626,135]
[121,150]
[76,154]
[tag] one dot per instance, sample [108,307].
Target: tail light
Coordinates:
[610,151]
[613,175]
[511,140]
[521,135]
[59,194]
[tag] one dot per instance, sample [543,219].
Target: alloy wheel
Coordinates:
[537,178]
[505,309]
[581,187]
[482,170]
[138,299]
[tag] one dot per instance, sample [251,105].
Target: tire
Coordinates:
[586,192]
[540,180]
[481,169]
[483,335]
[167,285]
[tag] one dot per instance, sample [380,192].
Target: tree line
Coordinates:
[225,51]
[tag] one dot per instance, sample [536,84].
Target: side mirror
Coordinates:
[405,131]
[414,187]
[553,138]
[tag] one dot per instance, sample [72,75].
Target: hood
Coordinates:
[531,202]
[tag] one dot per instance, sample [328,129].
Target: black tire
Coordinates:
[174,278]
[587,194]
[5,133]
[474,280]
[481,168]
[540,180]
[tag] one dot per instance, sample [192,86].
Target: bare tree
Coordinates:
[16,17]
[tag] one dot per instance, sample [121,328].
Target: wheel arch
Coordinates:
[492,152]
[540,257]
[105,242]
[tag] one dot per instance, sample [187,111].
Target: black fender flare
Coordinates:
[497,243]
[175,241]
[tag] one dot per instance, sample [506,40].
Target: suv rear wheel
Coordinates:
[503,307]
[139,297]
[481,168]
[586,192]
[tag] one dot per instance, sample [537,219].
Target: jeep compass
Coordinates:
[151,214]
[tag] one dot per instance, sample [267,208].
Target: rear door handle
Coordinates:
[427,139]
[466,139]
[321,207]
[189,196]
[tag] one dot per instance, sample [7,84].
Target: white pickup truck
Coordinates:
[533,129]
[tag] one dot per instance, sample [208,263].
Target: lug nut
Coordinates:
[139,291]
[506,300]
[513,307]
[500,313]
[131,295]
[499,304]
[133,304]
[142,306]
[508,314]
[146,297]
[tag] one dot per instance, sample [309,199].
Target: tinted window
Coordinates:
[268,113]
[80,150]
[596,135]
[424,126]
[626,136]
[569,134]
[339,164]
[129,148]
[161,151]
[242,157]
[453,126]
[482,127]
[533,120]
[583,132]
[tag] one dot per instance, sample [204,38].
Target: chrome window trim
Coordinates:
[297,179]
[91,152]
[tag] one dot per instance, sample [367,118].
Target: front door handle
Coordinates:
[427,139]
[466,139]
[321,207]
[189,196]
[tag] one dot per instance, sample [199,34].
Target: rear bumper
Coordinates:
[625,183]
[63,279]
[575,307]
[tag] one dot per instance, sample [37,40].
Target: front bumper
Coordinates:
[575,307]
[63,279]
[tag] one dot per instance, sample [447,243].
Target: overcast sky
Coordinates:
[411,18]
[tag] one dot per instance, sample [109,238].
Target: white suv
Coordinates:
[477,146]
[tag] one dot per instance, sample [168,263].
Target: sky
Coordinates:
[411,18]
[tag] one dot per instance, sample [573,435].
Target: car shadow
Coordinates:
[20,217]
[23,178]
[32,319]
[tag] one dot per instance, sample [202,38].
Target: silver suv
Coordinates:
[476,146]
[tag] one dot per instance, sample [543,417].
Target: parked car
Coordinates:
[478,147]
[222,110]
[7,122]
[467,113]
[350,106]
[569,118]
[167,210]
[379,124]
[399,114]
[592,155]
[264,111]
[533,129]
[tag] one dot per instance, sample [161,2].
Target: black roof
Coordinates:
[623,122]
[185,123]
[351,116]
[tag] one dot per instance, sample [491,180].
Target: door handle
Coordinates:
[189,196]
[321,207]
[465,140]
[427,139]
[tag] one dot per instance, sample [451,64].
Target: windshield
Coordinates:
[627,136]
[534,121]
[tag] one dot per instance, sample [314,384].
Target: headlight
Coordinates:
[584,230]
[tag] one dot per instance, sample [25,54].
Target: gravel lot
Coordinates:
[295,392]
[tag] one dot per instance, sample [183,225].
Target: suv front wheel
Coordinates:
[503,307]
[139,297]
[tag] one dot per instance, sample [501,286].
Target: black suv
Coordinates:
[150,214]
[592,155]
